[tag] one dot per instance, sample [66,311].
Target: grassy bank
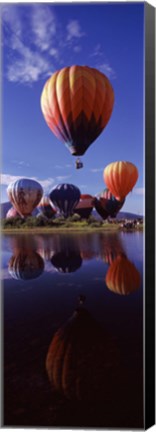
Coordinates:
[72,224]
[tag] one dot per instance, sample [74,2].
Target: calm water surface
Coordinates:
[73,326]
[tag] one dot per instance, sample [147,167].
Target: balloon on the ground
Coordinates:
[120,178]
[12,213]
[100,208]
[25,195]
[46,207]
[122,276]
[110,203]
[65,197]
[77,103]
[85,206]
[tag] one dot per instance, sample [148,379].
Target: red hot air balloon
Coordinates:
[25,195]
[85,206]
[77,103]
[46,207]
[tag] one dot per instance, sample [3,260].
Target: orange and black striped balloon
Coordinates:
[120,178]
[77,103]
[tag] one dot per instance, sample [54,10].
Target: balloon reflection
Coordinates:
[82,359]
[26,265]
[110,247]
[67,261]
[122,276]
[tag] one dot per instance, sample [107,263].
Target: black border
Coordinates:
[149,387]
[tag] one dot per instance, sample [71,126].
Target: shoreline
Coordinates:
[73,230]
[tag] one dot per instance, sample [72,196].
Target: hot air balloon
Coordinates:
[25,195]
[100,208]
[65,197]
[46,208]
[122,276]
[109,203]
[77,103]
[120,178]
[82,360]
[12,213]
[85,206]
[25,265]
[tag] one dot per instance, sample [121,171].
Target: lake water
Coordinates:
[73,330]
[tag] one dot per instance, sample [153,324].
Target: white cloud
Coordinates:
[83,186]
[29,68]
[6,179]
[27,42]
[107,70]
[97,51]
[139,191]
[61,178]
[96,170]
[44,26]
[36,41]
[74,30]
[77,48]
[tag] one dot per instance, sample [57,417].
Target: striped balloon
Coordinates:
[65,197]
[77,103]
[46,208]
[120,178]
[26,265]
[109,202]
[25,195]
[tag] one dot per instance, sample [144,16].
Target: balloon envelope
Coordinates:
[25,195]
[84,206]
[65,197]
[109,203]
[12,213]
[120,178]
[77,103]
[46,208]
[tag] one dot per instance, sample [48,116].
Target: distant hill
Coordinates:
[4,207]
[120,215]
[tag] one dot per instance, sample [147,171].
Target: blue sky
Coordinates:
[39,39]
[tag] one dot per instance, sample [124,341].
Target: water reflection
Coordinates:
[26,265]
[67,261]
[82,360]
[67,253]
[81,369]
[122,276]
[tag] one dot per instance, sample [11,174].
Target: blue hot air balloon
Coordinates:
[65,197]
